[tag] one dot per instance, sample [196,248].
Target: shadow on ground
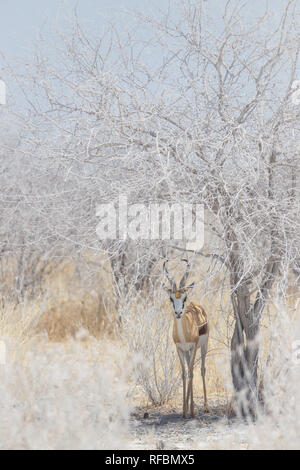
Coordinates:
[150,417]
[165,428]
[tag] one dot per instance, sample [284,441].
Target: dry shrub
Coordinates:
[78,296]
[67,395]
[278,425]
[146,334]
[59,318]
[278,421]
[62,318]
[64,397]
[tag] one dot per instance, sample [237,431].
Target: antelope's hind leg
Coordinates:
[203,357]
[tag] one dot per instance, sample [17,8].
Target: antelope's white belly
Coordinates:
[185,346]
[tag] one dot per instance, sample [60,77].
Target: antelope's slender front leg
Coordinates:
[181,358]
[191,375]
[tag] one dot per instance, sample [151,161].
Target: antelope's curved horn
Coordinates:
[186,274]
[172,282]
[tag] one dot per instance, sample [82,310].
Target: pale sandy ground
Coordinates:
[166,429]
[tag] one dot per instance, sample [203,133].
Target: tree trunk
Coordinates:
[244,354]
[245,341]
[244,370]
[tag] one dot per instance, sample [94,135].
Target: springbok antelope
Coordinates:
[190,331]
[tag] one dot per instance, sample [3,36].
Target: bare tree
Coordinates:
[211,120]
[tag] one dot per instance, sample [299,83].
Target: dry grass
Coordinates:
[63,318]
[64,396]
[70,330]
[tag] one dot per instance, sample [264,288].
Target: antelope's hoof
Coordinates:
[206,409]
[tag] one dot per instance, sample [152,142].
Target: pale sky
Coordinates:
[21,20]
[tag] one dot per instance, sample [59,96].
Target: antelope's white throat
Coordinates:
[180,330]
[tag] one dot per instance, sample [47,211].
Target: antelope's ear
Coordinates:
[169,291]
[191,286]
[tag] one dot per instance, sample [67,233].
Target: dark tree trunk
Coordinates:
[245,342]
[245,339]
[244,362]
